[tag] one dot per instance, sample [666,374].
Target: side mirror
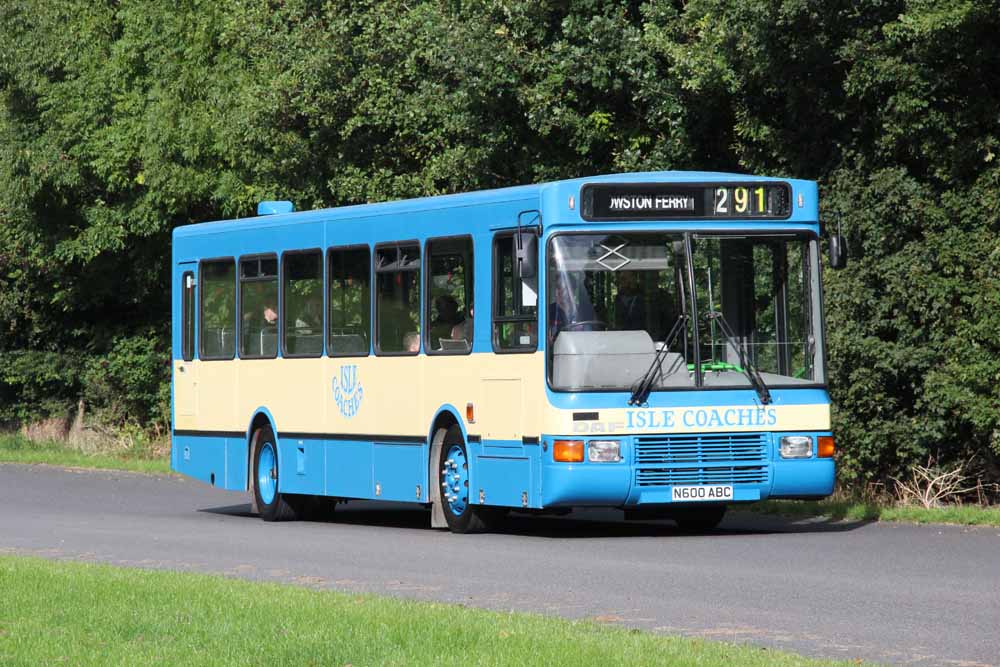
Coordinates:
[838,251]
[527,254]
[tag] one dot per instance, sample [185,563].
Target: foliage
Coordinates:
[131,383]
[36,384]
[120,121]
[142,456]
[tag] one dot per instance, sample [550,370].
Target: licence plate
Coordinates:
[710,493]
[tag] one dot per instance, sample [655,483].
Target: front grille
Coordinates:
[701,448]
[714,475]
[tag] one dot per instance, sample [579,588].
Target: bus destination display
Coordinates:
[656,201]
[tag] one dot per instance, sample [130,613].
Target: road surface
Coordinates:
[893,593]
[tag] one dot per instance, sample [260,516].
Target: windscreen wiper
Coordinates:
[746,365]
[644,385]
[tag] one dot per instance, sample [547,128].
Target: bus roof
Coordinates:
[508,194]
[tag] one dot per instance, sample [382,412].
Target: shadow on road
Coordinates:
[578,524]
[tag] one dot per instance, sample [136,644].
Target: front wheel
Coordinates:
[272,503]
[453,480]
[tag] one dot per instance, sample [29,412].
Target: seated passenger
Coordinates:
[463,330]
[630,309]
[569,311]
[447,317]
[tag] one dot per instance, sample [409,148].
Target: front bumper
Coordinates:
[652,465]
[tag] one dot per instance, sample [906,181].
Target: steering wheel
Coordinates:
[574,326]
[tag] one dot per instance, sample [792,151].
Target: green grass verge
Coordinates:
[81,614]
[966,515]
[18,449]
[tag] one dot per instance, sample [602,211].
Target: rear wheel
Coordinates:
[700,518]
[453,480]
[272,503]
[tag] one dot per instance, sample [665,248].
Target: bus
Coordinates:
[651,342]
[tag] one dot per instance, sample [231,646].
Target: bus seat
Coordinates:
[453,344]
[348,344]
[311,343]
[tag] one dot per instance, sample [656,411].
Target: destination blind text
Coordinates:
[652,203]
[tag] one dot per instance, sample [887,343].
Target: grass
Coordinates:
[84,614]
[15,448]
[854,510]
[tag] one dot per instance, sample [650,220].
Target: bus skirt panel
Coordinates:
[219,459]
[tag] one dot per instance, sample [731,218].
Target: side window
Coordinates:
[259,307]
[397,299]
[449,296]
[218,309]
[515,301]
[302,304]
[350,302]
[187,316]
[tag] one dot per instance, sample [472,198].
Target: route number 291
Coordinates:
[740,201]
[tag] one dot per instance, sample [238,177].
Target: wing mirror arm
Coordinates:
[838,249]
[526,244]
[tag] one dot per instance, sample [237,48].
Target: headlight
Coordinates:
[796,446]
[606,451]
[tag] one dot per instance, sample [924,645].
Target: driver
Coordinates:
[570,311]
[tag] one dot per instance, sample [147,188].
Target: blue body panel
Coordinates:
[348,469]
[352,469]
[302,466]
[399,469]
[220,461]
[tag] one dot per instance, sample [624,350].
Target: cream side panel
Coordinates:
[185,395]
[393,387]
[453,381]
[217,395]
[348,383]
[291,390]
[399,396]
[374,395]
[505,389]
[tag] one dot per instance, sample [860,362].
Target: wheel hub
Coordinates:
[267,474]
[455,481]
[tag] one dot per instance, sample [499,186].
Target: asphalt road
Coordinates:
[916,595]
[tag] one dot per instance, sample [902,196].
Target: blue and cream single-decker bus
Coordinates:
[651,342]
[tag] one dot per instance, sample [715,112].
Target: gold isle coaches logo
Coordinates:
[347,390]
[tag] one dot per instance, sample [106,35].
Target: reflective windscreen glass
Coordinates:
[612,301]
[754,305]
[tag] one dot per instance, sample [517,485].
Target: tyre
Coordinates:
[273,505]
[700,518]
[453,480]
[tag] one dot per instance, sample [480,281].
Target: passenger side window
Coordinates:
[218,309]
[302,298]
[397,299]
[350,302]
[187,316]
[515,301]
[449,302]
[259,308]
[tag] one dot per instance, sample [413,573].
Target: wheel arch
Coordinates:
[444,418]
[261,417]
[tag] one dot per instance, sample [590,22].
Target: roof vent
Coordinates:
[274,207]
